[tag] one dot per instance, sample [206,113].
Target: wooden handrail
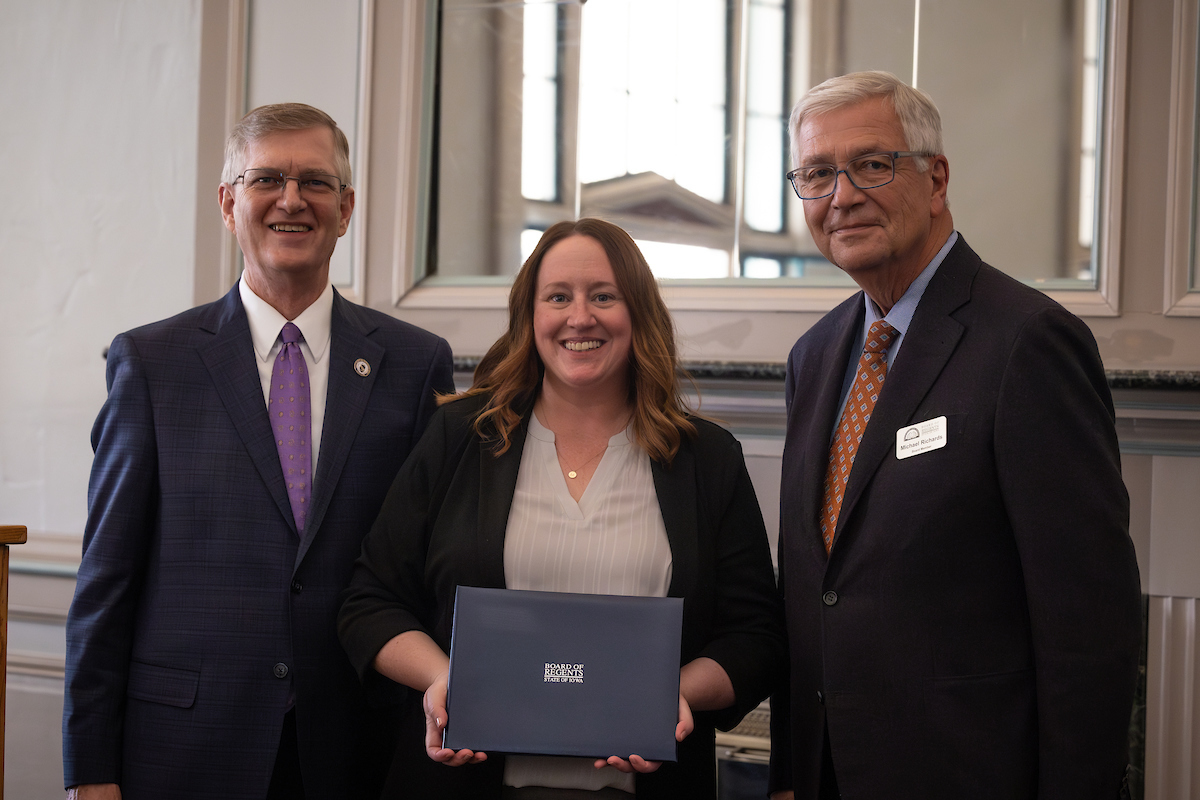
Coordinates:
[9,534]
[13,534]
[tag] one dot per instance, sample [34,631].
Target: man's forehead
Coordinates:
[869,126]
[311,148]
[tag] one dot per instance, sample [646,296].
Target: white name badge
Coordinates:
[921,438]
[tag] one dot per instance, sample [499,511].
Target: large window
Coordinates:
[668,117]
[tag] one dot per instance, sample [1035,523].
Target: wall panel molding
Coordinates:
[1172,705]
[1179,299]
[222,95]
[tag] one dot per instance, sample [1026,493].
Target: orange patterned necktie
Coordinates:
[868,381]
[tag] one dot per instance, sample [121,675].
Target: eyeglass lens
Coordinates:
[268,181]
[865,172]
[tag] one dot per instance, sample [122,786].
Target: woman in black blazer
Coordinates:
[590,357]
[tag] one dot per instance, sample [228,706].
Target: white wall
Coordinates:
[97,208]
[98,137]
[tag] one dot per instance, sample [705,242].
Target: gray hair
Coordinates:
[276,118]
[919,117]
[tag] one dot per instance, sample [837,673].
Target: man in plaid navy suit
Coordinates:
[202,659]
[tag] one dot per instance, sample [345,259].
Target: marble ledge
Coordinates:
[760,371]
[1152,379]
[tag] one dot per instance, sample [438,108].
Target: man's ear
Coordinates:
[345,209]
[939,173]
[225,200]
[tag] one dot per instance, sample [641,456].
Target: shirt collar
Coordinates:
[314,322]
[901,314]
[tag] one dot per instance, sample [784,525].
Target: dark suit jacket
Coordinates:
[443,524]
[198,610]
[975,630]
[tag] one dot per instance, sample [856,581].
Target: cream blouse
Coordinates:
[613,541]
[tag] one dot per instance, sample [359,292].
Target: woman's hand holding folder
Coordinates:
[415,660]
[703,684]
[435,722]
[636,763]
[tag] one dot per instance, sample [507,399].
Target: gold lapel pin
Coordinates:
[362,367]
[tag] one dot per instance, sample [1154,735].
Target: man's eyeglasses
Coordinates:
[272,181]
[814,181]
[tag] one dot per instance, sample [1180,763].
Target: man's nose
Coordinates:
[290,196]
[845,193]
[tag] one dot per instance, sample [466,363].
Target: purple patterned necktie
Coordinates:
[290,412]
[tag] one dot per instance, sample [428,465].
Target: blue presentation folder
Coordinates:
[564,674]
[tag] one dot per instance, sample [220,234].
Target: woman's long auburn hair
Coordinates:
[511,372]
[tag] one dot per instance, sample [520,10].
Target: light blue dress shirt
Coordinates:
[899,317]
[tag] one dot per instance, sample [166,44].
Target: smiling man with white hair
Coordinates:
[962,596]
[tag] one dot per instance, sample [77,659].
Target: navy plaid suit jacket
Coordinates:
[198,610]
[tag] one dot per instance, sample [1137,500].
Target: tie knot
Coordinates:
[290,334]
[879,337]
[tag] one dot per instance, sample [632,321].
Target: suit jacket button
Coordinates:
[829,598]
[281,670]
[820,698]
[297,586]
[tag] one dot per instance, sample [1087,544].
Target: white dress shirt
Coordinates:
[315,324]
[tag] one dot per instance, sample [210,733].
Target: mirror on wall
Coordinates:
[669,118]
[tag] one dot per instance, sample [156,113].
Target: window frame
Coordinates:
[776,295]
[1181,294]
[399,82]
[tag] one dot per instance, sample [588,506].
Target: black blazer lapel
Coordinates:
[345,402]
[931,340]
[232,365]
[497,485]
[676,490]
[822,401]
